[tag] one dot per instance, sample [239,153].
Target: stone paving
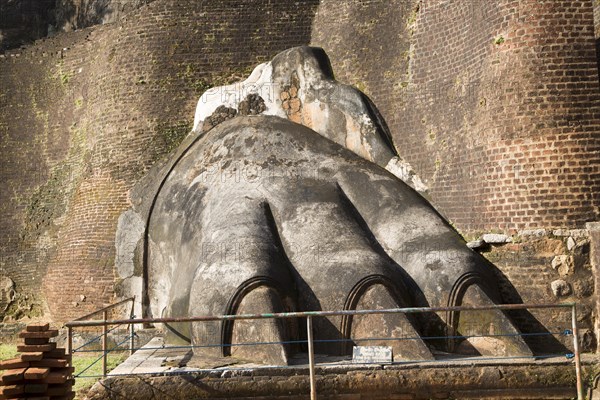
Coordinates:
[156,359]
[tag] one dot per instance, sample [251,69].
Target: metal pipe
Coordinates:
[104,342]
[132,329]
[69,340]
[580,395]
[311,358]
[107,308]
[308,315]
[315,314]
[131,339]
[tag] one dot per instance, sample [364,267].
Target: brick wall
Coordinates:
[495,104]
[85,114]
[526,271]
[597,18]
[597,30]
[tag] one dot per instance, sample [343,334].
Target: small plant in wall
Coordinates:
[499,40]
[63,77]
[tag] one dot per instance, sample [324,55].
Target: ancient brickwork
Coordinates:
[34,131]
[597,18]
[597,30]
[495,104]
[546,268]
[369,46]
[84,115]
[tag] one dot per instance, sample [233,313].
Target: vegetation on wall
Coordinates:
[169,135]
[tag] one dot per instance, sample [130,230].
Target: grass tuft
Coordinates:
[81,362]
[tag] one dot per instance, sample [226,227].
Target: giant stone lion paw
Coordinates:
[304,206]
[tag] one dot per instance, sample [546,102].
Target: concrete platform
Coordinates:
[160,373]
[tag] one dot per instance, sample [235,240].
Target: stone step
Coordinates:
[59,376]
[13,363]
[36,373]
[57,353]
[11,390]
[39,341]
[37,327]
[50,363]
[32,356]
[69,396]
[36,388]
[14,375]
[24,348]
[60,390]
[39,335]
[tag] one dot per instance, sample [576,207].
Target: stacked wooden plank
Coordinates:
[41,372]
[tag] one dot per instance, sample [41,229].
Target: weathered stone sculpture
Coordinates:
[279,201]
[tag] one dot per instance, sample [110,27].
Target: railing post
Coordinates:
[131,339]
[311,358]
[132,328]
[580,395]
[104,342]
[69,340]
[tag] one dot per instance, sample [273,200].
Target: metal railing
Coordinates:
[104,336]
[309,315]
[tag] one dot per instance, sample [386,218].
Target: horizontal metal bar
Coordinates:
[370,339]
[100,358]
[95,339]
[110,307]
[410,310]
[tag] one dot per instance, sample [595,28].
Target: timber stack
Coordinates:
[41,372]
